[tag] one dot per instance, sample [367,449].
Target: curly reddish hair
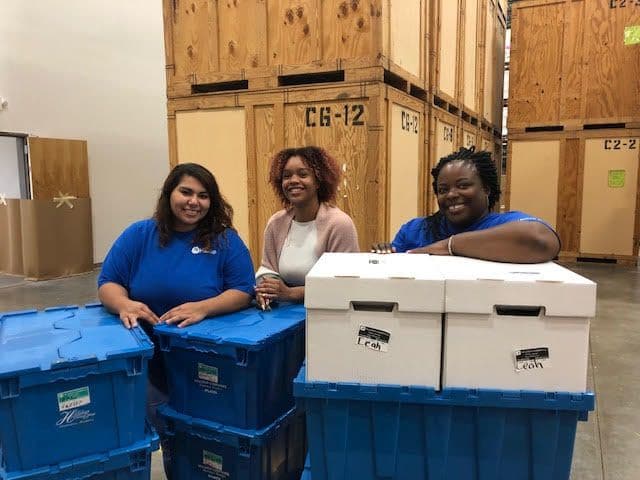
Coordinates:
[324,167]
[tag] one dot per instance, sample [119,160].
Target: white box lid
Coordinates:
[476,286]
[410,280]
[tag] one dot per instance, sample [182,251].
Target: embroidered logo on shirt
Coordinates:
[198,250]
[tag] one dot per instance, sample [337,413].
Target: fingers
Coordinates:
[264,303]
[128,320]
[382,247]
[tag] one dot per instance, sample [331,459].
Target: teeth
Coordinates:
[455,208]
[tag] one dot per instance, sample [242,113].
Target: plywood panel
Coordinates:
[294,31]
[217,140]
[612,69]
[572,78]
[470,54]
[447,55]
[534,172]
[536,61]
[195,43]
[404,169]
[406,20]
[240,47]
[58,166]
[568,214]
[267,145]
[500,33]
[609,195]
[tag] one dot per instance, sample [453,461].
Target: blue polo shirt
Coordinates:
[417,233]
[165,277]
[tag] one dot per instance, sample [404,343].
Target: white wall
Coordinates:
[92,70]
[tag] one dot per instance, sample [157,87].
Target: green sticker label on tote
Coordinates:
[616,178]
[73,399]
[632,35]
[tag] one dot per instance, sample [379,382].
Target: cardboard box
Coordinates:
[10,238]
[514,326]
[374,319]
[56,241]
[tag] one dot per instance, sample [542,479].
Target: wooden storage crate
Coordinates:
[585,184]
[468,60]
[212,46]
[494,31]
[445,53]
[571,67]
[377,134]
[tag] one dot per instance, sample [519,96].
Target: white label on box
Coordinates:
[73,399]
[373,338]
[530,359]
[207,373]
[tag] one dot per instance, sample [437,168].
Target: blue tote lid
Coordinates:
[249,328]
[64,337]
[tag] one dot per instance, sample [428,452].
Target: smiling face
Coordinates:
[462,198]
[189,204]
[299,183]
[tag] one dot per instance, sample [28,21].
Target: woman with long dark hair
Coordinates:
[184,264]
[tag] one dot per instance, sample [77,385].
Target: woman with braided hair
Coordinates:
[466,187]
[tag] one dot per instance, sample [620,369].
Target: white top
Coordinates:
[298,253]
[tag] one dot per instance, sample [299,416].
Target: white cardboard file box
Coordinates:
[374,319]
[515,327]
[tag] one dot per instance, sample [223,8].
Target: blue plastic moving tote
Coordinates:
[130,463]
[235,369]
[204,450]
[72,383]
[375,432]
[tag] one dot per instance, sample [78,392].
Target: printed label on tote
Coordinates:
[70,399]
[532,359]
[208,373]
[211,466]
[207,379]
[374,339]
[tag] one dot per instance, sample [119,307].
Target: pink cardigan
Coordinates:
[336,233]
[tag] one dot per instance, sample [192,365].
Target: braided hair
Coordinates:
[483,165]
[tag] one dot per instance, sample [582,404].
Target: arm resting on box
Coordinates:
[516,242]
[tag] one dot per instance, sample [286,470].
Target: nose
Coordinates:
[192,200]
[452,193]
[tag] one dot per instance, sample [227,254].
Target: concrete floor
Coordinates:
[607,446]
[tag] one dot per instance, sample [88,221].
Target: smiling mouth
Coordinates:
[455,208]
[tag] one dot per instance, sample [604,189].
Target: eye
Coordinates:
[442,190]
[203,196]
[286,175]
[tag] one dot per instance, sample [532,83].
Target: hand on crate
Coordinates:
[382,247]
[132,311]
[185,314]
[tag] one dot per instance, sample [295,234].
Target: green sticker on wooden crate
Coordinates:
[632,35]
[616,178]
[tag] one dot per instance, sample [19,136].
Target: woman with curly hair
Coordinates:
[306,180]
[184,264]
